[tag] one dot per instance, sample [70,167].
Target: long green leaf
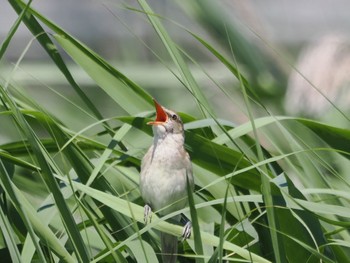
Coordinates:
[114,83]
[45,41]
[9,236]
[127,94]
[132,210]
[195,224]
[33,224]
[336,137]
[43,160]
[13,30]
[186,75]
[214,157]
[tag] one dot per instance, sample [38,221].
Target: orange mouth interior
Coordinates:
[161,114]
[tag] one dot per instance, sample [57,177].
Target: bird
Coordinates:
[166,172]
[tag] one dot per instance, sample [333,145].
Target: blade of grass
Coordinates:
[43,231]
[130,96]
[17,161]
[100,70]
[186,75]
[116,138]
[8,236]
[229,66]
[195,224]
[159,223]
[63,143]
[43,160]
[216,158]
[218,254]
[28,250]
[127,94]
[142,251]
[336,137]
[216,18]
[52,51]
[265,178]
[7,186]
[13,30]
[117,256]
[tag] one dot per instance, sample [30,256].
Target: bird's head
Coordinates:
[166,122]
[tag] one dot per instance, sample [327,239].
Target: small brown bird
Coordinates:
[164,169]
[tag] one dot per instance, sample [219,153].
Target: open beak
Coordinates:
[161,115]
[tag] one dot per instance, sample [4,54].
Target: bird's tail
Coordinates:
[169,247]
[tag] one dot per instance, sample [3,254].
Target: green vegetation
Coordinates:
[272,189]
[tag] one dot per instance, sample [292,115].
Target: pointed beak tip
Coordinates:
[161,115]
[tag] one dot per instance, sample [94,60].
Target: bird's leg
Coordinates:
[186,232]
[147,214]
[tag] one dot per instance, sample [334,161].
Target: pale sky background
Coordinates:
[282,22]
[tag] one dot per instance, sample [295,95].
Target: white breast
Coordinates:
[163,175]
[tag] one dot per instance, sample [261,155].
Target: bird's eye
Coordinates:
[174,117]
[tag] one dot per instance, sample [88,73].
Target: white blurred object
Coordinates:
[322,70]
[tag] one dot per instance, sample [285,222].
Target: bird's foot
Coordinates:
[186,232]
[147,214]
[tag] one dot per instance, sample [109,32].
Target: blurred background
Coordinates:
[295,54]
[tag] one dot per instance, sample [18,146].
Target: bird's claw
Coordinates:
[147,214]
[186,232]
